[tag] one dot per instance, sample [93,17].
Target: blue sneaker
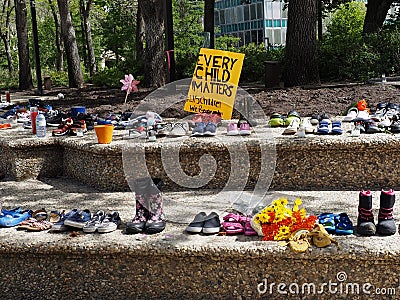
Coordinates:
[11,218]
[78,219]
[210,130]
[199,129]
[59,225]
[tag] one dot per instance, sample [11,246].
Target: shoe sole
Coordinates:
[74,224]
[194,229]
[210,230]
[89,230]
[107,229]
[232,133]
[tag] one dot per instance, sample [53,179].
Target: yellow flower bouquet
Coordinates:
[277,221]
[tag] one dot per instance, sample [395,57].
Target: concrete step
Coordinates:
[265,159]
[177,265]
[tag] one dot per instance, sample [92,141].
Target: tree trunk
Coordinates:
[301,64]
[88,36]
[139,33]
[152,11]
[25,73]
[5,33]
[75,76]
[6,41]
[376,15]
[59,43]
[209,20]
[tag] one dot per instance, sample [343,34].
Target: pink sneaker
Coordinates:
[232,129]
[245,129]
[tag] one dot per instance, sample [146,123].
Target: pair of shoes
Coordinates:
[207,224]
[336,223]
[102,223]
[354,113]
[365,221]
[385,110]
[238,224]
[78,218]
[316,118]
[37,222]
[233,129]
[205,118]
[70,127]
[334,128]
[203,129]
[177,129]
[278,120]
[149,216]
[366,125]
[58,219]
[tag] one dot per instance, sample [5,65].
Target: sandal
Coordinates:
[55,216]
[39,226]
[37,216]
[248,230]
[328,221]
[343,224]
[232,224]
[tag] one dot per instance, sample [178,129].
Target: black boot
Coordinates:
[386,225]
[156,222]
[365,220]
[142,214]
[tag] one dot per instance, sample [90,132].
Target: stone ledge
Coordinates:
[177,265]
[314,162]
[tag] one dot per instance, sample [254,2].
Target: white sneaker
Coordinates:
[293,127]
[308,127]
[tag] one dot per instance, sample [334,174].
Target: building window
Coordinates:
[260,39]
[239,13]
[247,38]
[246,13]
[253,14]
[254,36]
[277,37]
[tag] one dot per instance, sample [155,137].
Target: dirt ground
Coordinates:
[332,99]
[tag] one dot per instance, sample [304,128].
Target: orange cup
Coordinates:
[104,133]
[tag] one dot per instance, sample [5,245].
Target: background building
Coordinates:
[253,21]
[256,21]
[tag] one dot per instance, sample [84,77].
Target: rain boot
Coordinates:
[365,220]
[156,221]
[139,220]
[386,225]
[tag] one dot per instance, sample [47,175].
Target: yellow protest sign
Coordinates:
[214,82]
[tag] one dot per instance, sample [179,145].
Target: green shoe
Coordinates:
[291,115]
[276,120]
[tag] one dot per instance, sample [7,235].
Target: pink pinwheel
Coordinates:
[129,84]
